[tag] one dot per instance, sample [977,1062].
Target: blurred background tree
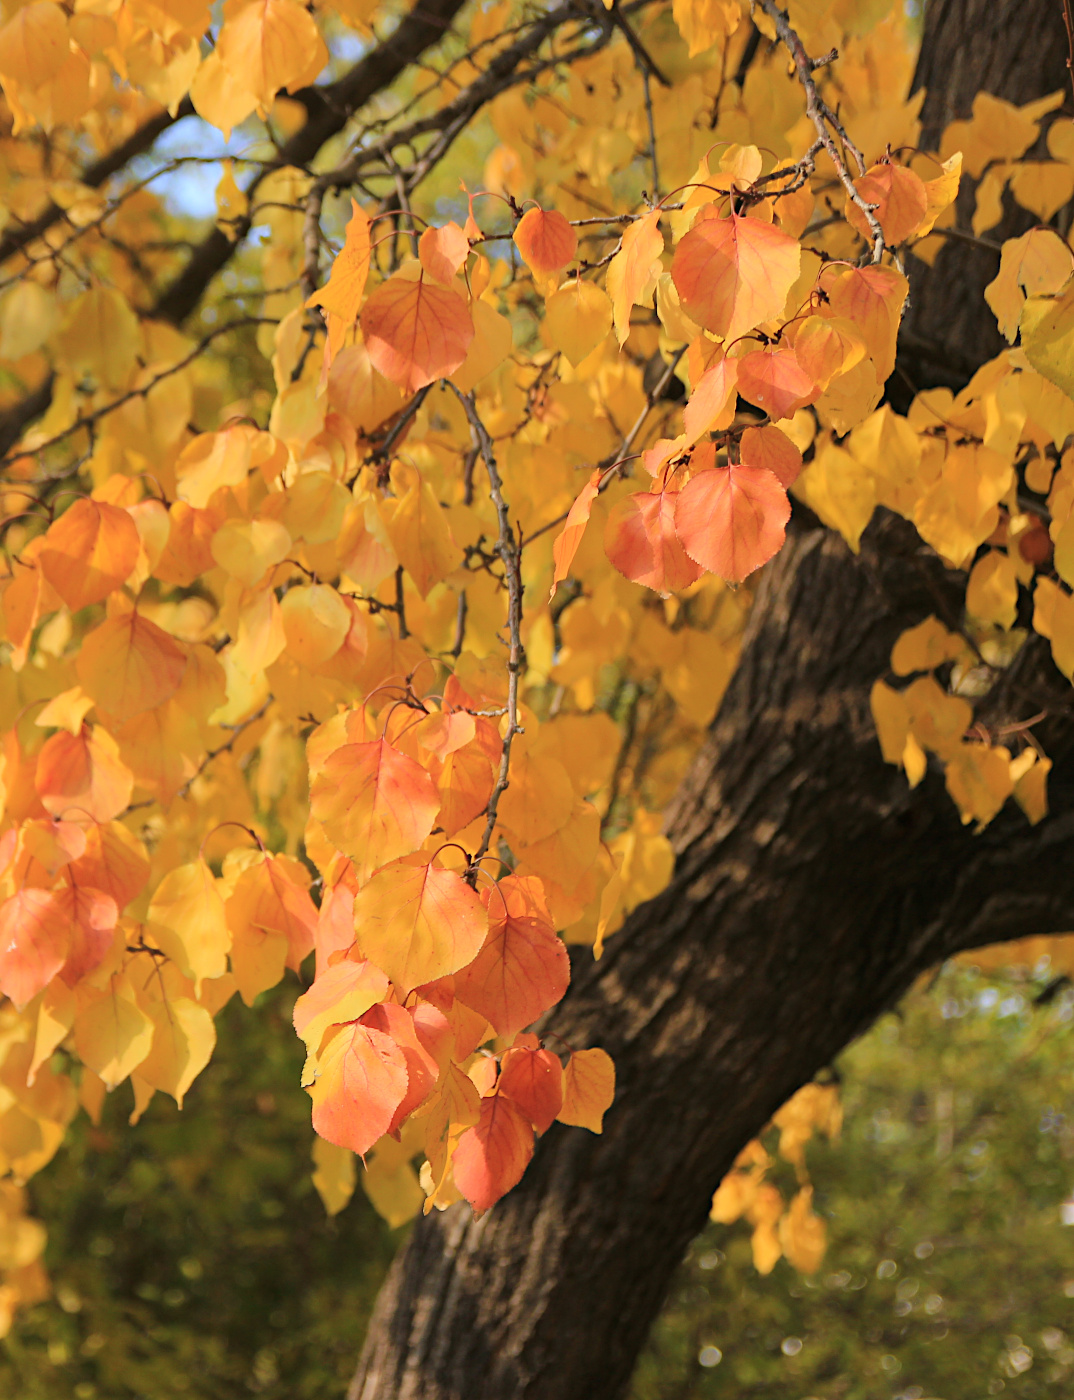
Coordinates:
[189,1258]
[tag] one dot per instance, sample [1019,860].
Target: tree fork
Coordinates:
[811,888]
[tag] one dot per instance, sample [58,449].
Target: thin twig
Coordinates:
[1068,20]
[825,120]
[510,551]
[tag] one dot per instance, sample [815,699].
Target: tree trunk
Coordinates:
[811,888]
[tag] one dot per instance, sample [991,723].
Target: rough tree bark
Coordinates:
[811,888]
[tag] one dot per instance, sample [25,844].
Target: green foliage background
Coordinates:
[191,1257]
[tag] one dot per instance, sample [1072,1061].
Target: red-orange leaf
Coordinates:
[375,803]
[422,1069]
[774,380]
[534,1079]
[731,274]
[732,519]
[565,545]
[34,940]
[129,665]
[89,551]
[91,919]
[361,1081]
[114,861]
[546,240]
[521,970]
[641,542]
[80,776]
[492,1155]
[769,448]
[416,333]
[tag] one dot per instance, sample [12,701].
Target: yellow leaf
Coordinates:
[1037,264]
[421,536]
[188,905]
[979,780]
[66,711]
[941,191]
[246,549]
[1047,331]
[992,590]
[232,203]
[183,1041]
[113,1035]
[924,647]
[588,1089]
[802,1233]
[632,273]
[417,922]
[101,337]
[272,44]
[334,1175]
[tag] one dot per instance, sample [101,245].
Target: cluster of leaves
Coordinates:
[944,1200]
[320,677]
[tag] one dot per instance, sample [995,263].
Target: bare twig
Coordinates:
[1068,20]
[826,123]
[510,551]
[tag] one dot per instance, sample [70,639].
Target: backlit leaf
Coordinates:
[493,1154]
[731,520]
[734,273]
[418,922]
[416,332]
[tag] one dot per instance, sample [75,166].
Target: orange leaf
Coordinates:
[421,1066]
[34,940]
[545,240]
[565,545]
[416,333]
[634,269]
[641,542]
[731,274]
[492,1155]
[534,1079]
[343,992]
[91,920]
[443,251]
[711,406]
[89,551]
[417,922]
[361,1081]
[375,803]
[80,775]
[465,782]
[588,1089]
[129,664]
[732,519]
[521,970]
[872,298]
[769,448]
[900,198]
[774,380]
[114,861]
